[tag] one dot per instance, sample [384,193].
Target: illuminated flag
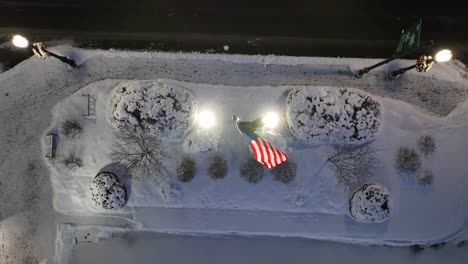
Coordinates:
[263,151]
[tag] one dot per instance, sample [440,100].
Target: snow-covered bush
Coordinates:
[139,151]
[426,144]
[167,110]
[251,170]
[107,192]
[285,172]
[370,204]
[72,161]
[186,169]
[201,142]
[218,167]
[425,178]
[332,115]
[352,165]
[71,128]
[407,160]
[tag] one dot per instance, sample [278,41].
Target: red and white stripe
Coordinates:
[266,153]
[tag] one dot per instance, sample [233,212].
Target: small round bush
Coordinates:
[427,144]
[218,167]
[285,172]
[186,169]
[107,192]
[407,160]
[425,177]
[251,170]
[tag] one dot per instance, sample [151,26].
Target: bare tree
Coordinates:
[186,169]
[71,128]
[427,144]
[353,166]
[139,151]
[72,161]
[285,172]
[218,167]
[251,170]
[407,160]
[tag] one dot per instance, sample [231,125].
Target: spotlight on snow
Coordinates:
[206,119]
[20,41]
[443,55]
[270,120]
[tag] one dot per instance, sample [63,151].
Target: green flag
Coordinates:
[409,39]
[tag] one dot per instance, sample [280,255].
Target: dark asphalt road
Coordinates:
[299,28]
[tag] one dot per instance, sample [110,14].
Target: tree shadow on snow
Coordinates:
[122,174]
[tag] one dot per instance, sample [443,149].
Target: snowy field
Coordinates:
[39,95]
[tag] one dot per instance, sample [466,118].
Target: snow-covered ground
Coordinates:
[36,94]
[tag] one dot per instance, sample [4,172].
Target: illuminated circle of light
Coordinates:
[206,119]
[20,41]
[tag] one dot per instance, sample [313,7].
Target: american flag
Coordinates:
[263,151]
[266,153]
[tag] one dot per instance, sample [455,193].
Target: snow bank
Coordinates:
[330,115]
[107,192]
[167,110]
[370,204]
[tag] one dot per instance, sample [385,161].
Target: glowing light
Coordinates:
[443,56]
[270,120]
[206,119]
[20,41]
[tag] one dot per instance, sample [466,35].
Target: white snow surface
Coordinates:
[371,204]
[431,103]
[330,115]
[202,141]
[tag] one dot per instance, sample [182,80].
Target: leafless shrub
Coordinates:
[285,172]
[251,170]
[427,144]
[425,177]
[72,161]
[71,128]
[139,151]
[218,167]
[186,169]
[407,160]
[353,166]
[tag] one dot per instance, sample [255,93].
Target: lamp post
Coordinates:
[423,64]
[40,50]
[409,42]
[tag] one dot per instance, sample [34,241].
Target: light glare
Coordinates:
[443,55]
[20,41]
[270,120]
[206,119]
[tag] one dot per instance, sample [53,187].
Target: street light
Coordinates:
[206,119]
[20,41]
[270,120]
[423,64]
